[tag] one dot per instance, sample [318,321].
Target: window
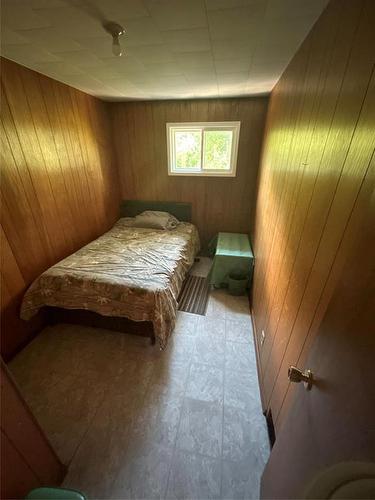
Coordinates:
[208,148]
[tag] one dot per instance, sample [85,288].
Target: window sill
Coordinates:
[201,174]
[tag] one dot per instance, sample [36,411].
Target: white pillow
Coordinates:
[156,220]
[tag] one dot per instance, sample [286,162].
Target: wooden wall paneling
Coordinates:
[88,220]
[72,196]
[307,82]
[332,167]
[354,185]
[44,136]
[321,100]
[59,184]
[361,222]
[12,285]
[87,156]
[296,237]
[219,204]
[268,209]
[108,190]
[282,183]
[21,213]
[23,121]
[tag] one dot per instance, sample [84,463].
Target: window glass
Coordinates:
[217,149]
[188,145]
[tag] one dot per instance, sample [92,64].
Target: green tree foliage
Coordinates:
[217,149]
[188,149]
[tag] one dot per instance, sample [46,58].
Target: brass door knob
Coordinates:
[296,375]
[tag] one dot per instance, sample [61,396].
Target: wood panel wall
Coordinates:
[58,183]
[319,144]
[219,204]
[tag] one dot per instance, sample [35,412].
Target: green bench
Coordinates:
[232,253]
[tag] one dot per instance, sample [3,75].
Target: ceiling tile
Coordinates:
[29,52]
[193,60]
[140,32]
[188,40]
[230,4]
[19,15]
[116,9]
[201,76]
[176,15]
[10,37]
[233,78]
[172,48]
[232,65]
[267,70]
[75,21]
[309,9]
[83,58]
[163,69]
[100,46]
[58,68]
[54,39]
[152,53]
[236,24]
[123,65]
[226,49]
[46,4]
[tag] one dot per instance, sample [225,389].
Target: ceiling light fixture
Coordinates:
[115,30]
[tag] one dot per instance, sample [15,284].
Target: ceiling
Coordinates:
[172,48]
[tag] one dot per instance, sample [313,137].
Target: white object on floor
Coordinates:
[202,267]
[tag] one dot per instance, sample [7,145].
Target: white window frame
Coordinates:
[203,126]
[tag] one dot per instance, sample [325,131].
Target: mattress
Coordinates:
[129,272]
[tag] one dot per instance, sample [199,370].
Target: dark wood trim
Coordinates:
[92,319]
[257,353]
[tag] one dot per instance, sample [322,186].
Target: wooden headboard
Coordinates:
[131,208]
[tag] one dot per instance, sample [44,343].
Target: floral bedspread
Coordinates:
[129,272]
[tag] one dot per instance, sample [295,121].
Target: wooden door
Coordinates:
[334,422]
[27,459]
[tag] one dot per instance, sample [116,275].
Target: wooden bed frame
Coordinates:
[89,318]
[128,208]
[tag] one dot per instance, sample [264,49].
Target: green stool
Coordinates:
[55,494]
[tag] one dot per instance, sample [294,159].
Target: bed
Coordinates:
[127,273]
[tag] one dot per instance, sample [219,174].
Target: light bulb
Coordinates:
[116,47]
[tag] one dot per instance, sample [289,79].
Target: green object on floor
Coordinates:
[237,282]
[233,254]
[55,494]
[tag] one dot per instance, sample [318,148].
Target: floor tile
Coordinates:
[240,357]
[216,307]
[180,348]
[241,479]
[107,438]
[238,331]
[145,472]
[186,323]
[200,428]
[158,421]
[137,422]
[169,378]
[241,391]
[205,383]
[211,326]
[65,410]
[201,267]
[194,477]
[244,432]
[209,350]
